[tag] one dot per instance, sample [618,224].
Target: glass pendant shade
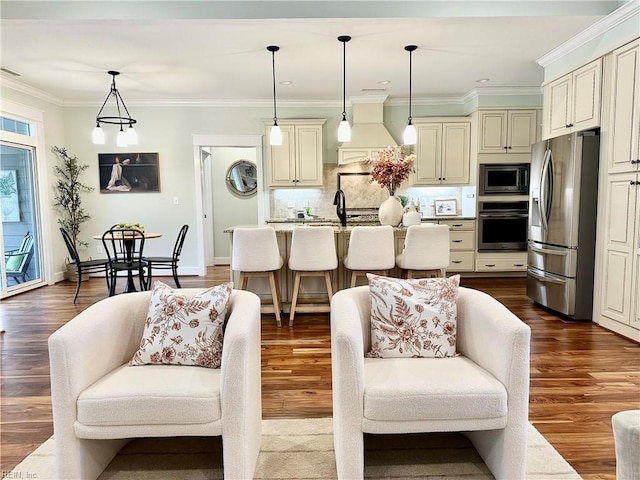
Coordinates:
[132,136]
[275,135]
[344,131]
[410,136]
[121,139]
[97,136]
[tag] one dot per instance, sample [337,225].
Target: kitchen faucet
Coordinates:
[341,207]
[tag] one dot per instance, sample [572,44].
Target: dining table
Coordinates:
[129,285]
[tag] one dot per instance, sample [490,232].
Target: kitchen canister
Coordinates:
[411,216]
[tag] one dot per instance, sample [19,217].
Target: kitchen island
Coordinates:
[462,237]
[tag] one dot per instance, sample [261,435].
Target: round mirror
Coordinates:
[242,178]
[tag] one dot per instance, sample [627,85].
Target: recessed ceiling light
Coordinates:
[286,82]
[483,80]
[384,82]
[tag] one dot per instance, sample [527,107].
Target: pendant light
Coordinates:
[410,136]
[275,136]
[124,139]
[344,129]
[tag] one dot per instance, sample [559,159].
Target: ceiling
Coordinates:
[215,51]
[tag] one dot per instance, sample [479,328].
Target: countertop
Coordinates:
[286,225]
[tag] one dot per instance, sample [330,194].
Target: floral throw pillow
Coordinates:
[413,318]
[183,331]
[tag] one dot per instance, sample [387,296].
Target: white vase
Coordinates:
[390,212]
[411,216]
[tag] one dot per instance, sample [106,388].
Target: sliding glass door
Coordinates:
[21,230]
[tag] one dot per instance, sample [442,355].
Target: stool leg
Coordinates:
[275,294]
[243,281]
[327,279]
[354,278]
[294,300]
[409,274]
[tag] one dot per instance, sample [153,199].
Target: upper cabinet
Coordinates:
[506,131]
[572,102]
[442,152]
[298,161]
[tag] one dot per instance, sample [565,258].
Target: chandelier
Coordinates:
[124,138]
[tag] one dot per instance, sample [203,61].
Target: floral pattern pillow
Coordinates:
[182,331]
[413,318]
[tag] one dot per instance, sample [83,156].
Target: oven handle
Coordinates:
[504,215]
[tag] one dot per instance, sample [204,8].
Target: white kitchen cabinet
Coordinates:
[501,262]
[617,279]
[572,102]
[442,152]
[506,131]
[462,234]
[298,161]
[352,155]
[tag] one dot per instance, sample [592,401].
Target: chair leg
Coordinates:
[275,293]
[112,285]
[149,275]
[78,282]
[243,281]
[327,279]
[294,298]
[354,278]
[174,270]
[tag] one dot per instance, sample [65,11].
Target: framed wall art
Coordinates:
[448,207]
[129,172]
[9,196]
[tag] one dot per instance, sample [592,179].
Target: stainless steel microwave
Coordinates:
[504,179]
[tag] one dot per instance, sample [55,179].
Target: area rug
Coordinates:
[303,449]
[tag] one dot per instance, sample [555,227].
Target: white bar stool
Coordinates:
[312,254]
[256,254]
[426,249]
[371,249]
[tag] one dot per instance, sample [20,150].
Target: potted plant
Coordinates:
[68,197]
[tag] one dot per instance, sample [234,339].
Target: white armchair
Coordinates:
[88,359]
[484,392]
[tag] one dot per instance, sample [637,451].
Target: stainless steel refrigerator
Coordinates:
[562,223]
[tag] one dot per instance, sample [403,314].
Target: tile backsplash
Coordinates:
[284,202]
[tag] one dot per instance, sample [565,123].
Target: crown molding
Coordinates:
[7,81]
[602,26]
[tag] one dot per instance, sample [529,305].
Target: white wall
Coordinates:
[229,209]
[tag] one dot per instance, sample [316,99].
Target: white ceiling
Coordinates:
[208,51]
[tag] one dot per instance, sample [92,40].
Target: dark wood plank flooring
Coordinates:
[581,374]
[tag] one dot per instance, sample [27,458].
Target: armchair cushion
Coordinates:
[139,396]
[413,318]
[14,261]
[409,389]
[182,331]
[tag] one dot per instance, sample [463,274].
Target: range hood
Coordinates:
[368,133]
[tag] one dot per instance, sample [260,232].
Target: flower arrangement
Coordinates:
[392,167]
[130,226]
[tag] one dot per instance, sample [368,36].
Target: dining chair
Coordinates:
[124,247]
[84,267]
[167,263]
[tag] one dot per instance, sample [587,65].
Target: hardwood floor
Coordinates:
[581,374]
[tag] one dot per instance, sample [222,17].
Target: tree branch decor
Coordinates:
[68,194]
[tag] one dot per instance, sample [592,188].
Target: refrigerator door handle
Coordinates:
[542,203]
[544,279]
[547,251]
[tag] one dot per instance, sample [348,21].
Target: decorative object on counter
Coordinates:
[404,200]
[411,216]
[124,139]
[344,129]
[410,136]
[446,208]
[390,170]
[275,135]
[68,194]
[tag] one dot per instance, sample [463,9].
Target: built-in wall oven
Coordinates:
[502,226]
